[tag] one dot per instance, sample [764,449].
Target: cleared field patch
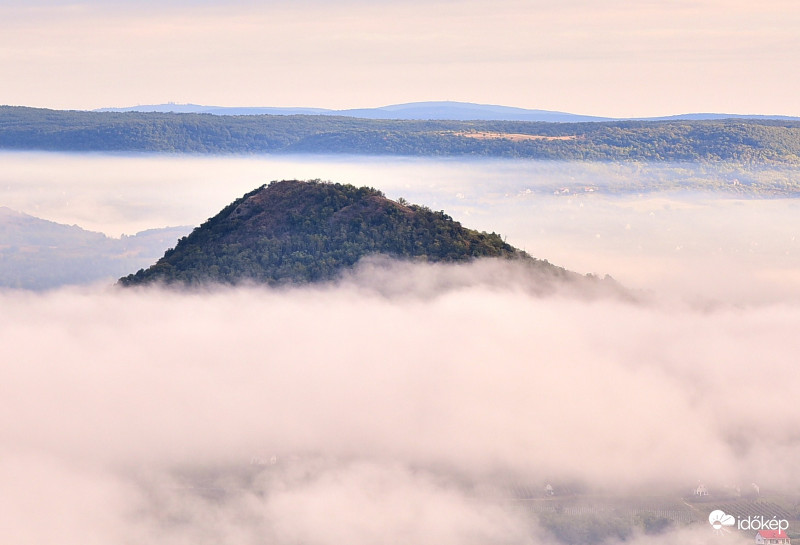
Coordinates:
[514,137]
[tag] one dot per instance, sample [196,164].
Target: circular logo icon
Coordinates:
[718,519]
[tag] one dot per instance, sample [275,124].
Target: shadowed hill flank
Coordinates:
[297,232]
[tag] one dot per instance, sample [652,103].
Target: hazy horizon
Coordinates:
[218,109]
[649,114]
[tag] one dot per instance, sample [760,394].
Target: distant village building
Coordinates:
[701,490]
[772,537]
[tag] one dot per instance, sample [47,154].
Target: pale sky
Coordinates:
[608,58]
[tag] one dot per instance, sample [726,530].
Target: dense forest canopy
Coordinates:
[297,232]
[743,140]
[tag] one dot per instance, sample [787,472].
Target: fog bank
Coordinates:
[138,414]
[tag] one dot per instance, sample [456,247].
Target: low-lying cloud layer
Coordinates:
[137,415]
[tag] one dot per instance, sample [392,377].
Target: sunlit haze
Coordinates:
[612,58]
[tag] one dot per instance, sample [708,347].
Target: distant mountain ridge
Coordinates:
[434,110]
[38,254]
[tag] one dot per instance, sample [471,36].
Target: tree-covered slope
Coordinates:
[296,232]
[743,140]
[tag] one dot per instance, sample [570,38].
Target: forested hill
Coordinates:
[750,140]
[297,232]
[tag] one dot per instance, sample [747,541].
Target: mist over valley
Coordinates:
[411,399]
